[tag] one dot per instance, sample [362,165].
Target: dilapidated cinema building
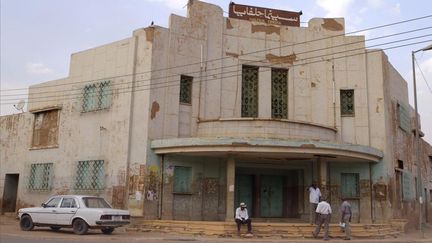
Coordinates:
[185,122]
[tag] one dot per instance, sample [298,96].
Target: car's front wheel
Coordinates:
[79,226]
[55,228]
[26,223]
[107,231]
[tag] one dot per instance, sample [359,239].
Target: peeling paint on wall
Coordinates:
[268,29]
[149,33]
[228,24]
[118,196]
[281,59]
[379,101]
[154,109]
[332,25]
[235,55]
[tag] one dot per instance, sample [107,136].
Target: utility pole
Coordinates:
[417,140]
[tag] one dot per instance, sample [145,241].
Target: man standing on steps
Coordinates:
[314,196]
[324,213]
[242,217]
[346,213]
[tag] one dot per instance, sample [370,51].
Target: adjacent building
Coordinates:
[187,121]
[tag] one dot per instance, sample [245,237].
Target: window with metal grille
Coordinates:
[350,185]
[45,129]
[90,175]
[249,106]
[279,94]
[96,96]
[40,177]
[186,89]
[403,117]
[182,179]
[347,102]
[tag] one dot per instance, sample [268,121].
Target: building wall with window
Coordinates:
[287,92]
[75,137]
[171,120]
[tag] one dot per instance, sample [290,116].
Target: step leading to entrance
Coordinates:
[276,230]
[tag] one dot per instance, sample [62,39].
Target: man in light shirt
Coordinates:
[324,213]
[242,217]
[314,196]
[345,210]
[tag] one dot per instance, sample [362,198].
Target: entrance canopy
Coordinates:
[267,149]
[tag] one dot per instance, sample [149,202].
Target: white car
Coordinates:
[79,212]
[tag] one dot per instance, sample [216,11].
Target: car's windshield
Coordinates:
[95,202]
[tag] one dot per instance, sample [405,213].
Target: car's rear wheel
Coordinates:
[55,228]
[26,223]
[80,227]
[107,231]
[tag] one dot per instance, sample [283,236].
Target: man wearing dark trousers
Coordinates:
[242,217]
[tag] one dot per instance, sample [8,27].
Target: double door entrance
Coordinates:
[269,195]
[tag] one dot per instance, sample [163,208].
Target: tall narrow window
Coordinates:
[90,97]
[279,94]
[104,94]
[350,185]
[45,130]
[40,177]
[90,175]
[347,102]
[186,89]
[249,91]
[403,117]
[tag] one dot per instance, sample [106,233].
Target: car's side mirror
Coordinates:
[43,205]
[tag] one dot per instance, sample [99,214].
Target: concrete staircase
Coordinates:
[271,230]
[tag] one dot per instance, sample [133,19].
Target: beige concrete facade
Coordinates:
[145,132]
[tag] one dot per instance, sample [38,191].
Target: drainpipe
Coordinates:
[161,187]
[368,96]
[371,194]
[131,114]
[200,83]
[334,95]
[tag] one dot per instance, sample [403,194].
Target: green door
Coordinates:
[272,196]
[243,192]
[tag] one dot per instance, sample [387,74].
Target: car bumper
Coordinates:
[112,223]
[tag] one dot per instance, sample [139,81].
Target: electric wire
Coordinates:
[217,78]
[17,96]
[222,58]
[235,71]
[424,78]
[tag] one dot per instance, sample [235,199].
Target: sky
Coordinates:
[38,37]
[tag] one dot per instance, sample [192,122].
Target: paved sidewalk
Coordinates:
[9,227]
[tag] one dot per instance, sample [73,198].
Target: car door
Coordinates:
[47,213]
[66,211]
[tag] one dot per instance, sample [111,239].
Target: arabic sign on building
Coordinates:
[265,15]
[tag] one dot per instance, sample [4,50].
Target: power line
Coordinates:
[222,58]
[235,71]
[424,78]
[234,65]
[236,75]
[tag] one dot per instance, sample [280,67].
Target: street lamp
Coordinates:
[417,136]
